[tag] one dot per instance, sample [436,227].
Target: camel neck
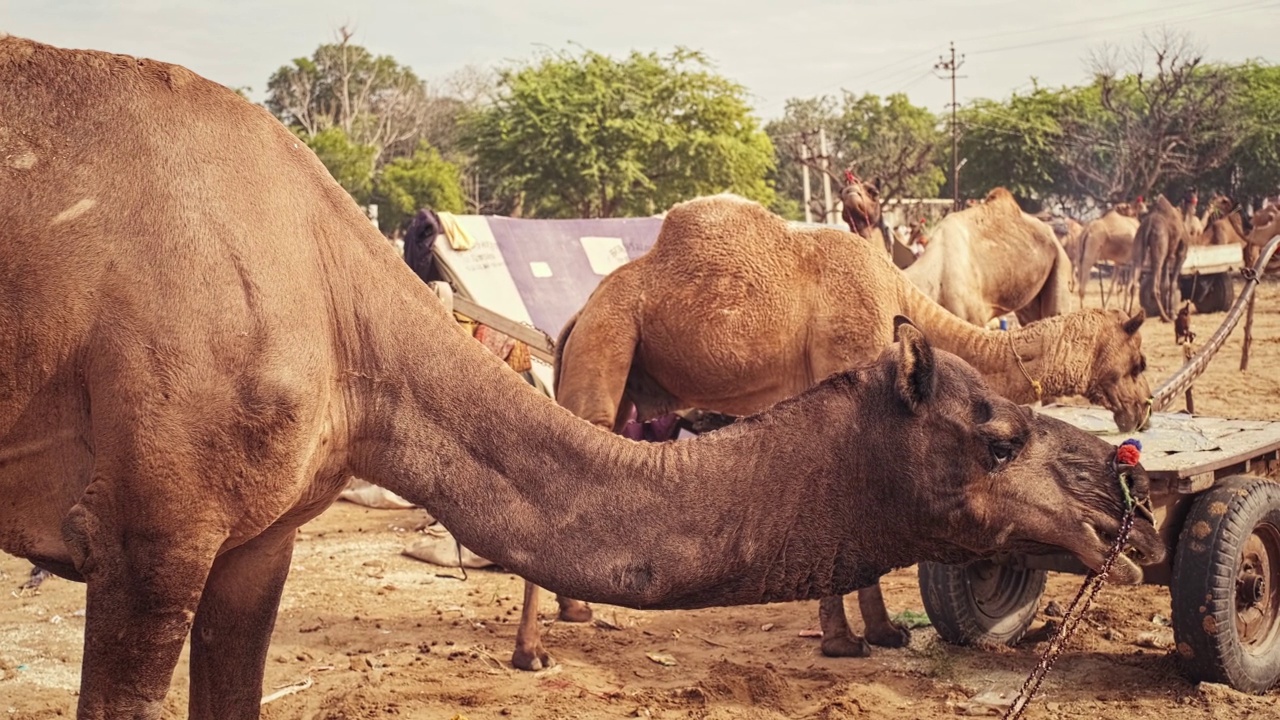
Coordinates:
[757,512]
[992,352]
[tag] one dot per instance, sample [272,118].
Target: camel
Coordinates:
[1109,237]
[731,310]
[1159,246]
[205,339]
[1220,224]
[1266,225]
[992,259]
[1068,230]
[861,211]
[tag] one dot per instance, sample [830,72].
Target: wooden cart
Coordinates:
[1215,490]
[1216,497]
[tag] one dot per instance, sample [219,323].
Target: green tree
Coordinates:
[1011,144]
[407,184]
[872,136]
[894,140]
[593,136]
[350,163]
[1253,168]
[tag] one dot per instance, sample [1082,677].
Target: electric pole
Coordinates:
[950,67]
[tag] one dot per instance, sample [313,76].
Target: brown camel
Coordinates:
[992,259]
[1069,231]
[1159,247]
[1220,224]
[205,338]
[731,310]
[1109,237]
[1266,225]
[861,211]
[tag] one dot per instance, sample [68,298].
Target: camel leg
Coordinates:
[144,574]
[529,653]
[838,640]
[233,627]
[878,628]
[574,611]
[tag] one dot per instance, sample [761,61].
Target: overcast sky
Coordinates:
[776,48]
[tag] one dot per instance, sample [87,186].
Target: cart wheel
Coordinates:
[1217,293]
[981,603]
[1226,585]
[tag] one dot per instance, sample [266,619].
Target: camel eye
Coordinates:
[1003,451]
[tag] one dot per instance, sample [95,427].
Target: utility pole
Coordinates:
[827,207]
[804,168]
[950,67]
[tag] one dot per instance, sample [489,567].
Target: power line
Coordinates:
[1229,10]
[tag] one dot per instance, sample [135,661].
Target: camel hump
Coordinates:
[711,219]
[1002,199]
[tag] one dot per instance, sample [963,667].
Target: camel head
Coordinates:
[1266,225]
[1219,205]
[861,201]
[995,476]
[1126,209]
[1117,374]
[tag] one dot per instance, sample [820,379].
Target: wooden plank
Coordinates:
[540,345]
[1181,450]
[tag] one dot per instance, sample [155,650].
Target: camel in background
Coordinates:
[1159,248]
[861,210]
[991,259]
[1109,237]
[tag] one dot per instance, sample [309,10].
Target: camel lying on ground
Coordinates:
[205,338]
[1160,248]
[731,311]
[992,259]
[1109,237]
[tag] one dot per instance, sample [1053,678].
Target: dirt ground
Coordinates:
[377,634]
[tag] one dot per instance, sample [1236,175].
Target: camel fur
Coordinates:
[992,259]
[732,310]
[204,339]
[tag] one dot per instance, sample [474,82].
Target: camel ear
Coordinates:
[1132,324]
[916,379]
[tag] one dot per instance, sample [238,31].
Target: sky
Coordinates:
[777,49]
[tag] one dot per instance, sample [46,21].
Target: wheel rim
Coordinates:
[997,590]
[1257,597]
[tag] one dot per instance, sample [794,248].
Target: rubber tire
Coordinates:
[1209,293]
[949,602]
[1205,564]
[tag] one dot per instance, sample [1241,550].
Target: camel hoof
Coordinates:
[888,636]
[531,659]
[845,646]
[575,612]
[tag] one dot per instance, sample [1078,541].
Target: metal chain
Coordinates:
[1093,583]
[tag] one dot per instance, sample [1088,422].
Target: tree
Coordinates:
[407,184]
[1166,121]
[1012,144]
[873,136]
[350,163]
[1253,168]
[894,140]
[592,136]
[374,100]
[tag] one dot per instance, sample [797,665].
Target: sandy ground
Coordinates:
[378,634]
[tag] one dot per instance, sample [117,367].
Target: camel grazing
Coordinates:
[992,259]
[1160,247]
[731,310]
[1109,237]
[861,211]
[205,339]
